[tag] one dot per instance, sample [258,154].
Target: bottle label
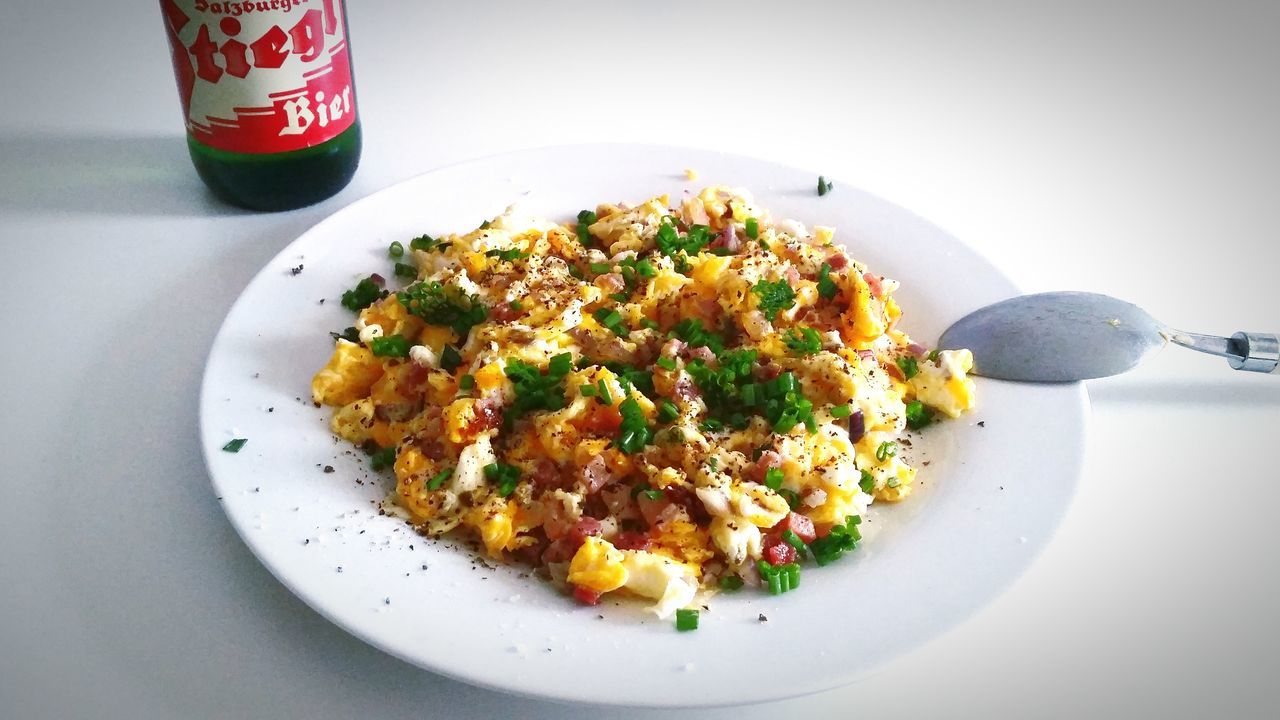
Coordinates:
[261,76]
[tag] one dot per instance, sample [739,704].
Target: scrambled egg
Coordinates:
[641,400]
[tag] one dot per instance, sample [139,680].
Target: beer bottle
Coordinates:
[268,99]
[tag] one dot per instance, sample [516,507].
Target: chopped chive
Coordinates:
[791,496]
[841,411]
[619,297]
[918,415]
[731,582]
[867,483]
[606,397]
[711,425]
[405,270]
[587,390]
[466,382]
[390,346]
[667,411]
[753,228]
[824,187]
[686,619]
[886,450]
[515,305]
[794,540]
[450,359]
[652,495]
[666,363]
[601,268]
[396,250]
[773,478]
[439,479]
[506,477]
[235,445]
[422,242]
[909,366]
[560,365]
[650,323]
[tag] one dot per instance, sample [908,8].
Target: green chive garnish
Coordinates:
[686,619]
[396,250]
[235,445]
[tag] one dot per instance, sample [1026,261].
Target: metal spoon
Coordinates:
[1068,336]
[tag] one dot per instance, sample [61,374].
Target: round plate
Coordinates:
[988,499]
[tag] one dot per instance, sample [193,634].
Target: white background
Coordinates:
[1129,148]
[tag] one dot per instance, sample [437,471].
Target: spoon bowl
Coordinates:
[1056,337]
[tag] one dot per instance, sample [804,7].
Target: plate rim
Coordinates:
[1082,404]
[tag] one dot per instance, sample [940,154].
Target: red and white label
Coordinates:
[261,76]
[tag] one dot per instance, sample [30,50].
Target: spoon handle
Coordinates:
[1256,352]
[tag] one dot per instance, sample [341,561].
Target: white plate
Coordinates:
[986,505]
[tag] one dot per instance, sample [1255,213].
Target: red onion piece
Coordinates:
[917,349]
[857,425]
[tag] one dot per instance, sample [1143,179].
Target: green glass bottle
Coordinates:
[268,98]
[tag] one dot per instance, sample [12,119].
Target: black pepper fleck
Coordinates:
[762,618]
[328,468]
[982,423]
[296,271]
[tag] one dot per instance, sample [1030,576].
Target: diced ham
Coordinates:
[838,260]
[586,596]
[792,275]
[595,474]
[672,348]
[651,510]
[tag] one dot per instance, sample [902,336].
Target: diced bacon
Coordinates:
[798,524]
[705,354]
[728,239]
[768,459]
[595,474]
[503,312]
[685,389]
[780,553]
[873,282]
[651,510]
[586,596]
[838,260]
[559,551]
[586,527]
[632,540]
[546,474]
[611,283]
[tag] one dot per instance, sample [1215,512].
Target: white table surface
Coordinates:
[1129,148]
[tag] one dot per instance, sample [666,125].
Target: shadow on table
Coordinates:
[1238,393]
[115,175]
